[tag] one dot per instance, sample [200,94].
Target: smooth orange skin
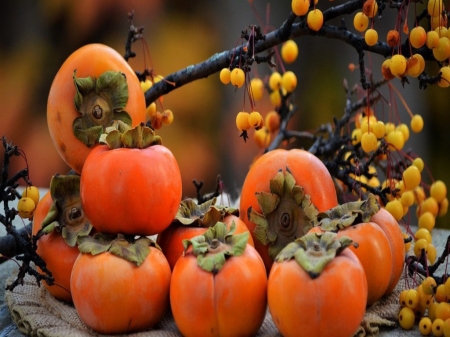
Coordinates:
[333,304]
[390,226]
[374,252]
[170,240]
[231,303]
[131,191]
[112,295]
[59,257]
[308,171]
[89,60]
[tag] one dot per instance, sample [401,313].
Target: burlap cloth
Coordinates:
[37,313]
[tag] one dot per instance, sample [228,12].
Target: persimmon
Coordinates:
[317,287]
[193,220]
[310,182]
[58,221]
[354,220]
[133,190]
[391,228]
[113,295]
[219,286]
[89,61]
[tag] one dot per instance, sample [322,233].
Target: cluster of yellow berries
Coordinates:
[314,18]
[437,39]
[368,131]
[28,202]
[156,117]
[428,302]
[278,85]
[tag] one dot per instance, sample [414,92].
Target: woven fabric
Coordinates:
[37,313]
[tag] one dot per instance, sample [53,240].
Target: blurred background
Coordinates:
[37,36]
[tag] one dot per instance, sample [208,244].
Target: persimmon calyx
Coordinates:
[130,249]
[139,137]
[207,214]
[100,101]
[66,212]
[216,245]
[288,213]
[314,251]
[347,214]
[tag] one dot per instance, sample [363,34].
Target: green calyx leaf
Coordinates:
[206,214]
[139,137]
[216,245]
[347,214]
[66,213]
[100,101]
[130,249]
[287,213]
[314,251]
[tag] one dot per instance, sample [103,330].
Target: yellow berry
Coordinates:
[289,51]
[237,77]
[315,19]
[31,192]
[395,207]
[289,81]
[275,81]
[437,327]
[360,21]
[419,246]
[406,318]
[147,84]
[167,117]
[417,123]
[262,137]
[398,65]
[225,75]
[417,37]
[427,221]
[300,7]
[257,88]
[151,110]
[369,142]
[425,324]
[438,190]
[26,207]
[272,121]
[255,120]
[242,121]
[444,81]
[411,177]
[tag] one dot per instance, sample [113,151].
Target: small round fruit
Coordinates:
[242,121]
[26,207]
[300,7]
[289,81]
[444,81]
[225,76]
[275,80]
[417,123]
[369,142]
[398,65]
[406,318]
[360,22]
[418,37]
[315,19]
[438,190]
[31,192]
[371,37]
[289,51]
[425,326]
[237,77]
[257,87]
